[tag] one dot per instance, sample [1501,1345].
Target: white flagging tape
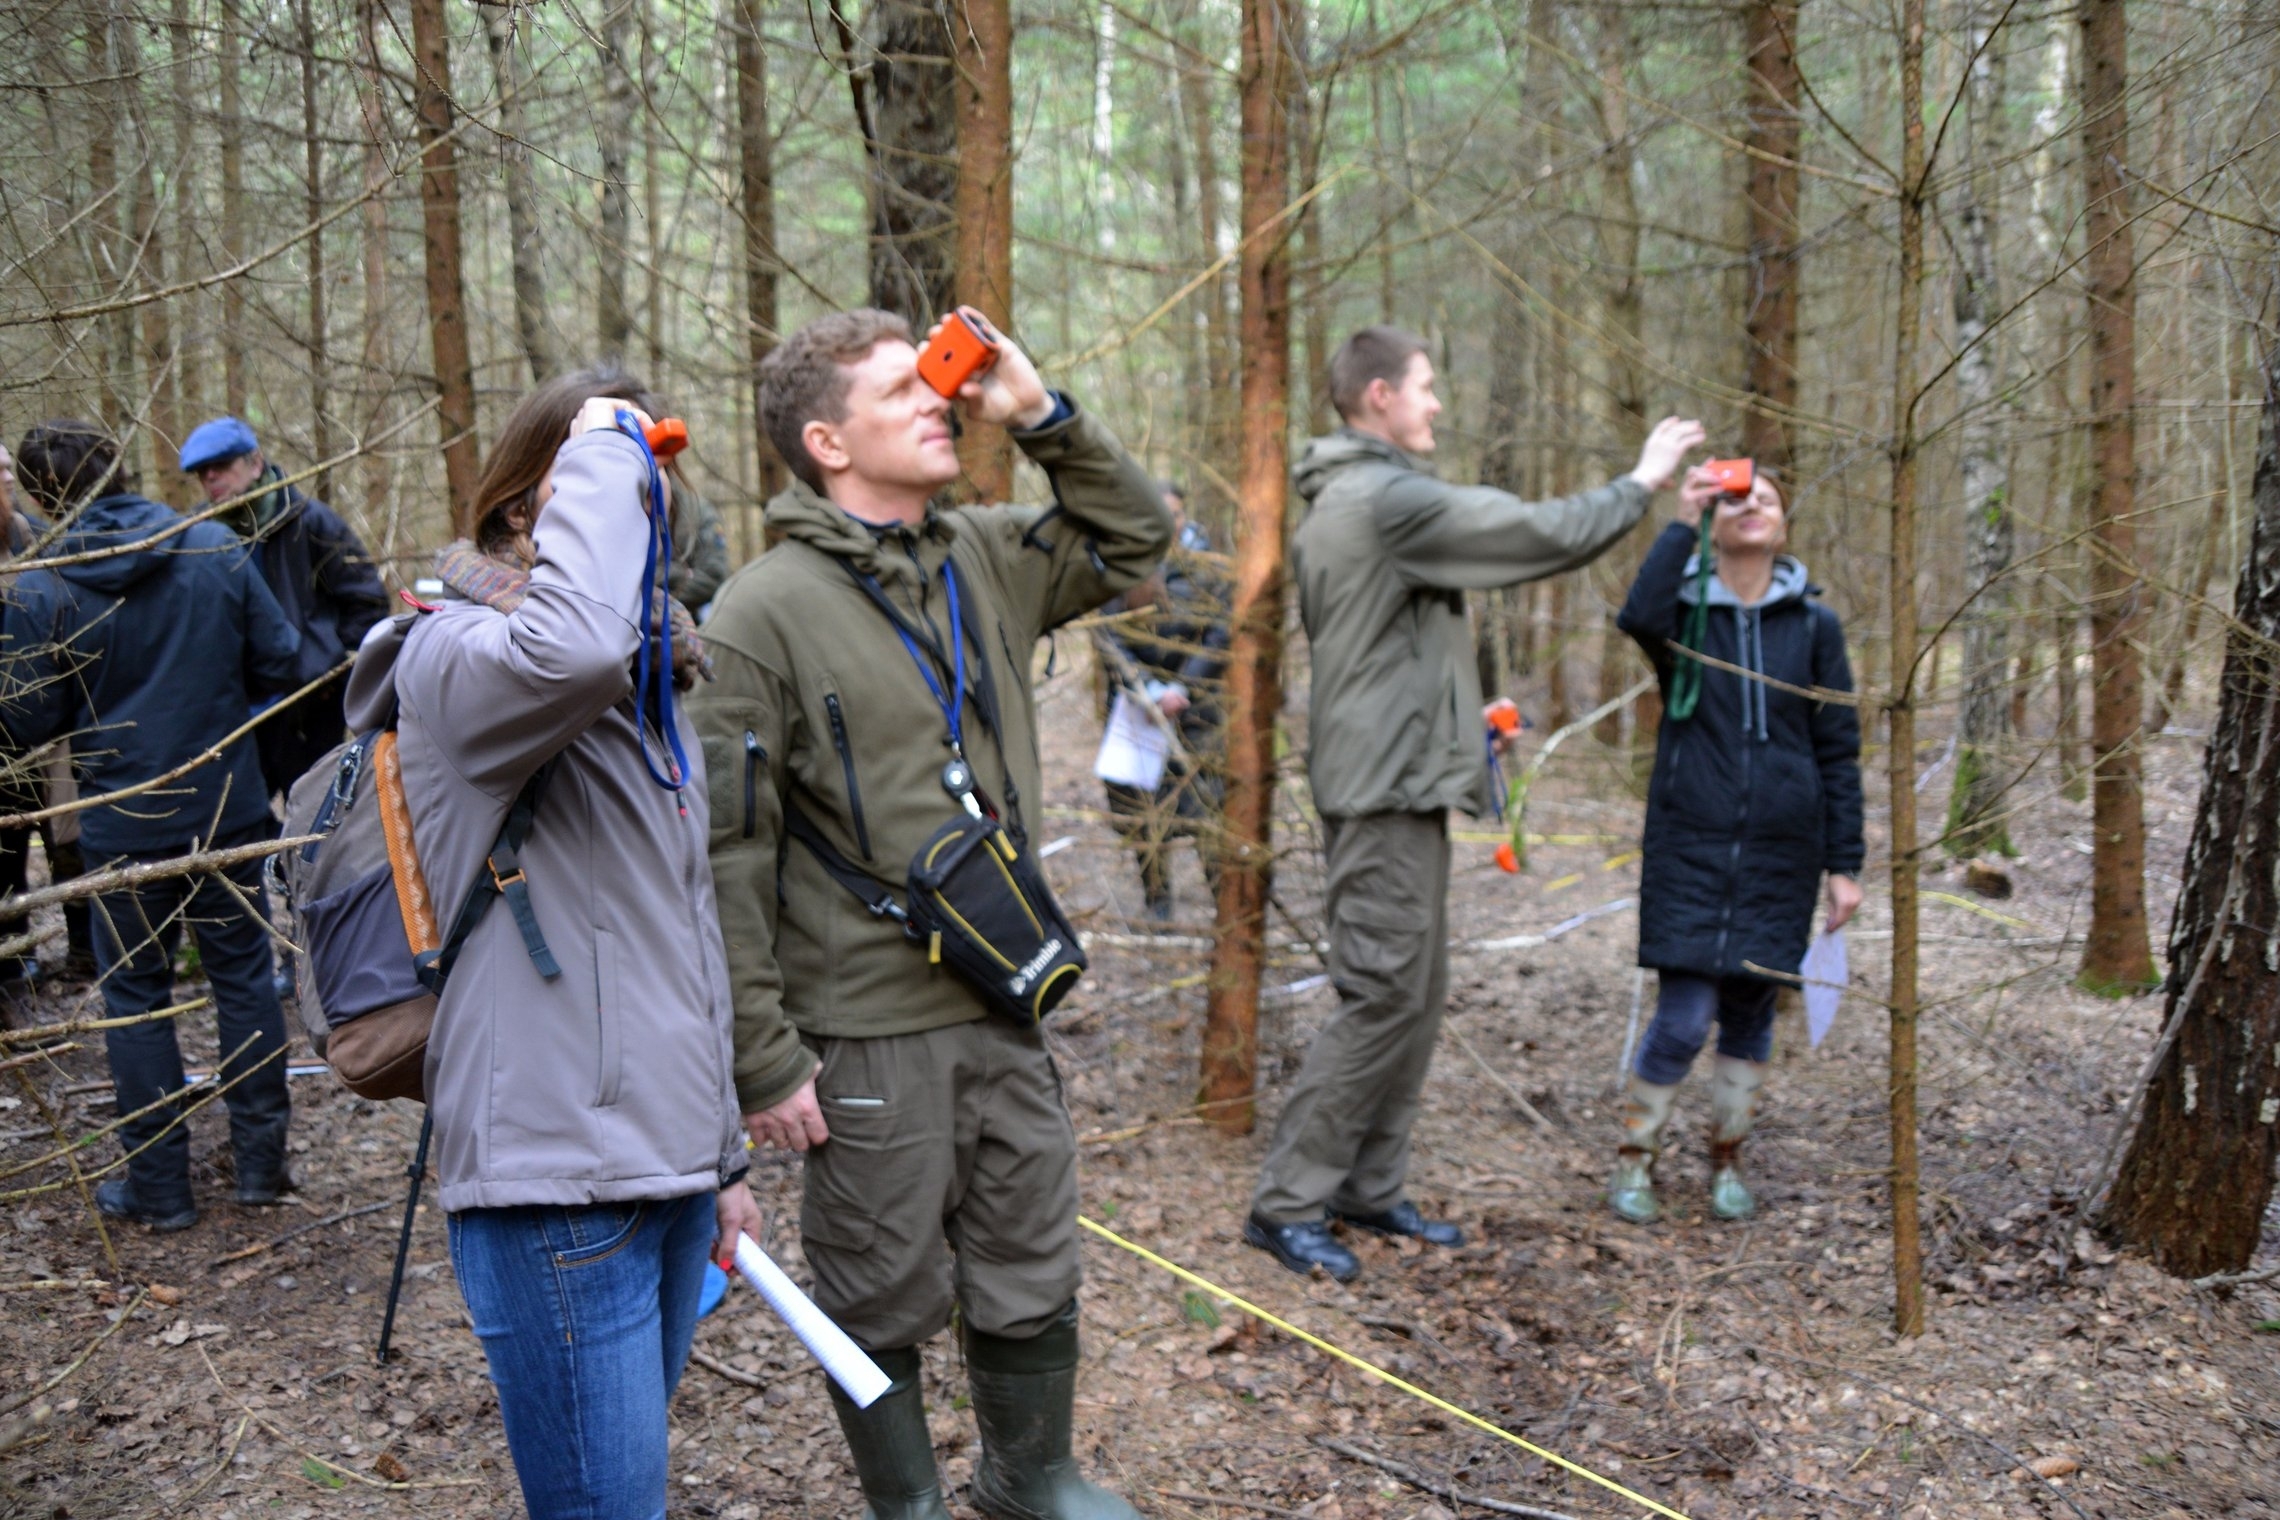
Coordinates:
[849,1365]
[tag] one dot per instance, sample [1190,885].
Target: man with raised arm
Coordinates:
[839,737]
[1382,562]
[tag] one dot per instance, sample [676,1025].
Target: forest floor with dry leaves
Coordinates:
[1724,1370]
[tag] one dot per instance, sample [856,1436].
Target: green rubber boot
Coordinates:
[894,1456]
[1025,1395]
[1734,1088]
[1646,1110]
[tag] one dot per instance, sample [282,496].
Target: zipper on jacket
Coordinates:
[847,764]
[753,755]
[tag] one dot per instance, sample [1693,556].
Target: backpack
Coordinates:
[374,955]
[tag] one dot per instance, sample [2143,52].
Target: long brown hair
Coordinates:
[524,451]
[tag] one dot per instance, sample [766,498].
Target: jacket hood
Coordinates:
[1325,456]
[809,517]
[371,694]
[1790,584]
[114,520]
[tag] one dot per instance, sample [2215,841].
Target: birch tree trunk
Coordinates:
[532,325]
[2198,1175]
[1254,667]
[2119,958]
[1977,804]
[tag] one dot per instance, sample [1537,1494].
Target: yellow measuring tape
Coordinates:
[1383,1376]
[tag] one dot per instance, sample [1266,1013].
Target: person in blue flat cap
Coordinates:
[316,567]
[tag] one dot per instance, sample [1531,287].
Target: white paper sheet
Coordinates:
[1133,749]
[850,1367]
[1825,979]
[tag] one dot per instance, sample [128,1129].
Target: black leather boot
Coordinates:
[1025,1395]
[894,1456]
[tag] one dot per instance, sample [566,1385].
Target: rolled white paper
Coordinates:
[849,1365]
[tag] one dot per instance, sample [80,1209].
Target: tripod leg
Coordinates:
[417,1171]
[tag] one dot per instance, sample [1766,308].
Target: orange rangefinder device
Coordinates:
[1503,715]
[965,347]
[1733,477]
[666,436]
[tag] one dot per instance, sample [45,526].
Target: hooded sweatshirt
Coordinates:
[151,654]
[1756,794]
[611,1081]
[1383,561]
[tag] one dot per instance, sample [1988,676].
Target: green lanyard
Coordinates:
[1686,680]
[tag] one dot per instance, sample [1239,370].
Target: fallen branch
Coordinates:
[1416,1479]
[2235,1279]
[79,1361]
[299,1230]
[90,1026]
[1185,1497]
[719,1368]
[1412,1330]
[1498,1078]
[34,1057]
[95,883]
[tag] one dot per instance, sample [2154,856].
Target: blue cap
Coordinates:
[214,442]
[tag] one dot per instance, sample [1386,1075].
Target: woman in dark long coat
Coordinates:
[1755,801]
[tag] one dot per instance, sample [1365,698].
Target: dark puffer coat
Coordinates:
[1758,793]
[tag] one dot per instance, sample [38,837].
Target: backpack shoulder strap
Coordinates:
[839,868]
[501,876]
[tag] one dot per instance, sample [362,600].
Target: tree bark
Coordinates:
[162,430]
[1217,410]
[906,105]
[1622,297]
[756,183]
[2198,1175]
[1770,104]
[1907,1244]
[233,210]
[313,186]
[613,318]
[981,39]
[2118,958]
[532,325]
[446,288]
[1978,800]
[1254,668]
[189,223]
[379,346]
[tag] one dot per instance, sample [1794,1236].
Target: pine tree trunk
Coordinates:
[1216,444]
[532,325]
[1770,97]
[1979,799]
[613,317]
[756,181]
[2198,1175]
[982,45]
[162,428]
[189,220]
[313,186]
[2119,957]
[378,355]
[907,106]
[1254,668]
[446,287]
[1624,300]
[1907,1227]
[233,210]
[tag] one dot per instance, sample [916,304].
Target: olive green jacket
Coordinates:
[817,701]
[1382,561]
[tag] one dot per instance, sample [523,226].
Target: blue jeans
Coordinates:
[586,1316]
[136,932]
[1684,1007]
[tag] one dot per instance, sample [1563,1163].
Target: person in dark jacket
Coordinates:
[1174,662]
[145,651]
[316,567]
[1755,799]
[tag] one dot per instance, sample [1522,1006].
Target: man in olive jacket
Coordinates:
[1383,560]
[941,1165]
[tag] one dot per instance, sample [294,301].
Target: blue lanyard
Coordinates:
[653,660]
[951,703]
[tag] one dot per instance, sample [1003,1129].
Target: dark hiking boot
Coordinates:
[894,1456]
[117,1199]
[1403,1219]
[1025,1396]
[1303,1246]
